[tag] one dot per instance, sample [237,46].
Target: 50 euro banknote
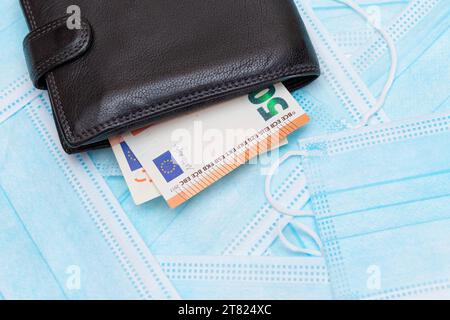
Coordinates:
[186,154]
[140,185]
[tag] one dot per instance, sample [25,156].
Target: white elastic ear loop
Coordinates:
[309,232]
[292,212]
[392,72]
[277,206]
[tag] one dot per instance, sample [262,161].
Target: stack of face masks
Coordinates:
[82,236]
[58,212]
[379,193]
[382,199]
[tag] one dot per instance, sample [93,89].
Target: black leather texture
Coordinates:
[134,62]
[61,46]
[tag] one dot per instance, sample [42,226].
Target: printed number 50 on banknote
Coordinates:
[185,155]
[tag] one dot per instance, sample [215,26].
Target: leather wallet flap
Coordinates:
[53,45]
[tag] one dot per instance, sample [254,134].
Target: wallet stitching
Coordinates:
[145,111]
[64,122]
[46,29]
[29,13]
[150,109]
[52,83]
[68,52]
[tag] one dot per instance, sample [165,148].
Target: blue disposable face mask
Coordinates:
[422,84]
[106,163]
[339,87]
[419,29]
[59,215]
[210,275]
[25,274]
[412,17]
[414,30]
[16,88]
[331,108]
[381,197]
[257,278]
[352,34]
[341,79]
[416,27]
[12,27]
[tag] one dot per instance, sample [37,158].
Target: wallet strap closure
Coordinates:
[53,45]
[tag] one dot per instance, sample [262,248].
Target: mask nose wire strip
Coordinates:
[292,212]
[392,72]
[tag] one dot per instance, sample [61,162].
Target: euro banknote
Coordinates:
[186,154]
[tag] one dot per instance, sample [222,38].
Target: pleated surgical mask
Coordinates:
[25,274]
[352,34]
[339,87]
[422,83]
[381,197]
[243,278]
[419,29]
[344,83]
[64,235]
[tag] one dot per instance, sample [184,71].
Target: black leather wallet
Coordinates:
[133,62]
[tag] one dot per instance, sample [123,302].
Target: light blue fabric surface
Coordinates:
[69,235]
[382,199]
[237,278]
[62,214]
[422,83]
